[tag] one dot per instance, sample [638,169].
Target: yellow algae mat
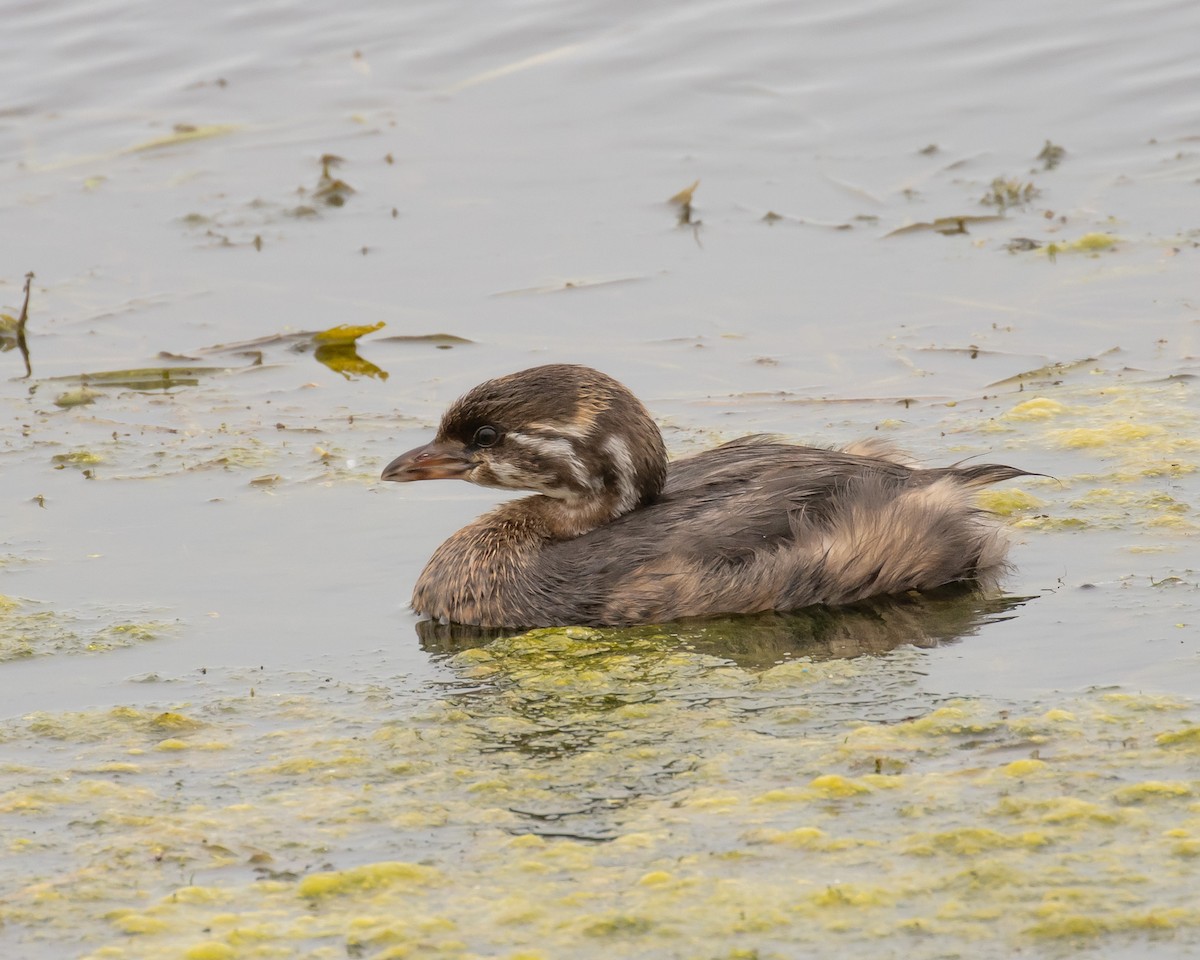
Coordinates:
[578,793]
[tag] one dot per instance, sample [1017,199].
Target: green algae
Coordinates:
[1188,737]
[1089,243]
[375,876]
[1012,502]
[577,796]
[766,640]
[136,729]
[1123,437]
[77,458]
[31,629]
[77,397]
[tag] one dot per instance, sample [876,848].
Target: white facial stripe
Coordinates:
[516,479]
[616,447]
[507,473]
[558,450]
[580,431]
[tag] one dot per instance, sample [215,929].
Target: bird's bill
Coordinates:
[437,460]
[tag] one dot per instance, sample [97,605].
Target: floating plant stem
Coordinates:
[22,345]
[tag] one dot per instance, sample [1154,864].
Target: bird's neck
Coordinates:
[549,519]
[492,572]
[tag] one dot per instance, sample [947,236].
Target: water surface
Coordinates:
[223,734]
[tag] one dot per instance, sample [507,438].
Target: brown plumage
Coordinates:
[616,535]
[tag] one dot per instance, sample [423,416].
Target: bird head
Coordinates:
[561,430]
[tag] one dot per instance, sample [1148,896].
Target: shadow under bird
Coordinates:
[615,534]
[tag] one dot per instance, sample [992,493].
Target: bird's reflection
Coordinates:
[876,626]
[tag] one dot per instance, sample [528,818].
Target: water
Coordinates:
[510,165]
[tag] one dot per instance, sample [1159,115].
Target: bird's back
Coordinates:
[759,524]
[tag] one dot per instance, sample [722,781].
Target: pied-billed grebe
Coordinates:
[617,535]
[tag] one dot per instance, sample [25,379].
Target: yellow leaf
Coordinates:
[684,196]
[345,333]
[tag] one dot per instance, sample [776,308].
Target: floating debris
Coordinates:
[947,226]
[1052,371]
[331,190]
[771,218]
[1022,244]
[344,333]
[337,348]
[559,286]
[1051,155]
[443,341]
[184,133]
[1004,193]
[142,378]
[683,200]
[12,329]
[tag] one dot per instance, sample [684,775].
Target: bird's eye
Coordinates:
[486,436]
